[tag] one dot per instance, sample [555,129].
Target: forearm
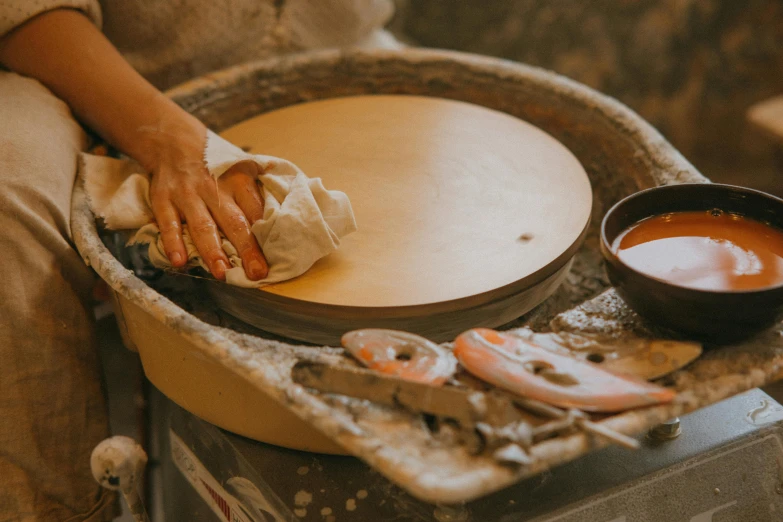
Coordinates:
[67,53]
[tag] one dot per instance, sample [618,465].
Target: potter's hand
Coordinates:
[182,190]
[67,53]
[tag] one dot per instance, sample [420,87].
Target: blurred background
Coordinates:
[692,68]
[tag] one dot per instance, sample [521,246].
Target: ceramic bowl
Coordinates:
[706,314]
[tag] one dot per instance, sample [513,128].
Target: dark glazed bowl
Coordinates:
[717,316]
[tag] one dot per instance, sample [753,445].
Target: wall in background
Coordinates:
[690,67]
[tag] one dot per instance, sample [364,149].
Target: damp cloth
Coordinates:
[302,221]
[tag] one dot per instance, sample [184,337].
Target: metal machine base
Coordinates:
[726,466]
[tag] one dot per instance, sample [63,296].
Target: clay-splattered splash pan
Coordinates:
[242,381]
[466,217]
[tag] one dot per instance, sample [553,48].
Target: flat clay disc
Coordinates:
[452,200]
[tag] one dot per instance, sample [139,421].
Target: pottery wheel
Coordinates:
[467,217]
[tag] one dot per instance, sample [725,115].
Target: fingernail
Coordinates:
[176,258]
[219,269]
[257,269]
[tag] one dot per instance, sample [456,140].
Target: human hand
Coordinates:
[66,52]
[182,190]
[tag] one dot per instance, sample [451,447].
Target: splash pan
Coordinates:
[240,379]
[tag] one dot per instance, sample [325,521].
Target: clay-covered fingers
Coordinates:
[236,227]
[240,206]
[240,182]
[204,233]
[249,199]
[170,226]
[209,207]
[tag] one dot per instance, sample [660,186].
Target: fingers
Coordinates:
[249,200]
[235,226]
[170,226]
[230,203]
[205,235]
[240,182]
[240,205]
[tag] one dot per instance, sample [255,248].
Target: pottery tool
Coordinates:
[641,357]
[467,217]
[461,404]
[470,408]
[525,369]
[652,359]
[401,354]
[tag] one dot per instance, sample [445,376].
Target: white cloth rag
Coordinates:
[302,221]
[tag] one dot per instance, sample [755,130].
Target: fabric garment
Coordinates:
[302,221]
[170,42]
[52,408]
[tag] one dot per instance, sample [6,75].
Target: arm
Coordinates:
[67,53]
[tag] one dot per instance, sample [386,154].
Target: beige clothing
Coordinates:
[169,42]
[52,410]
